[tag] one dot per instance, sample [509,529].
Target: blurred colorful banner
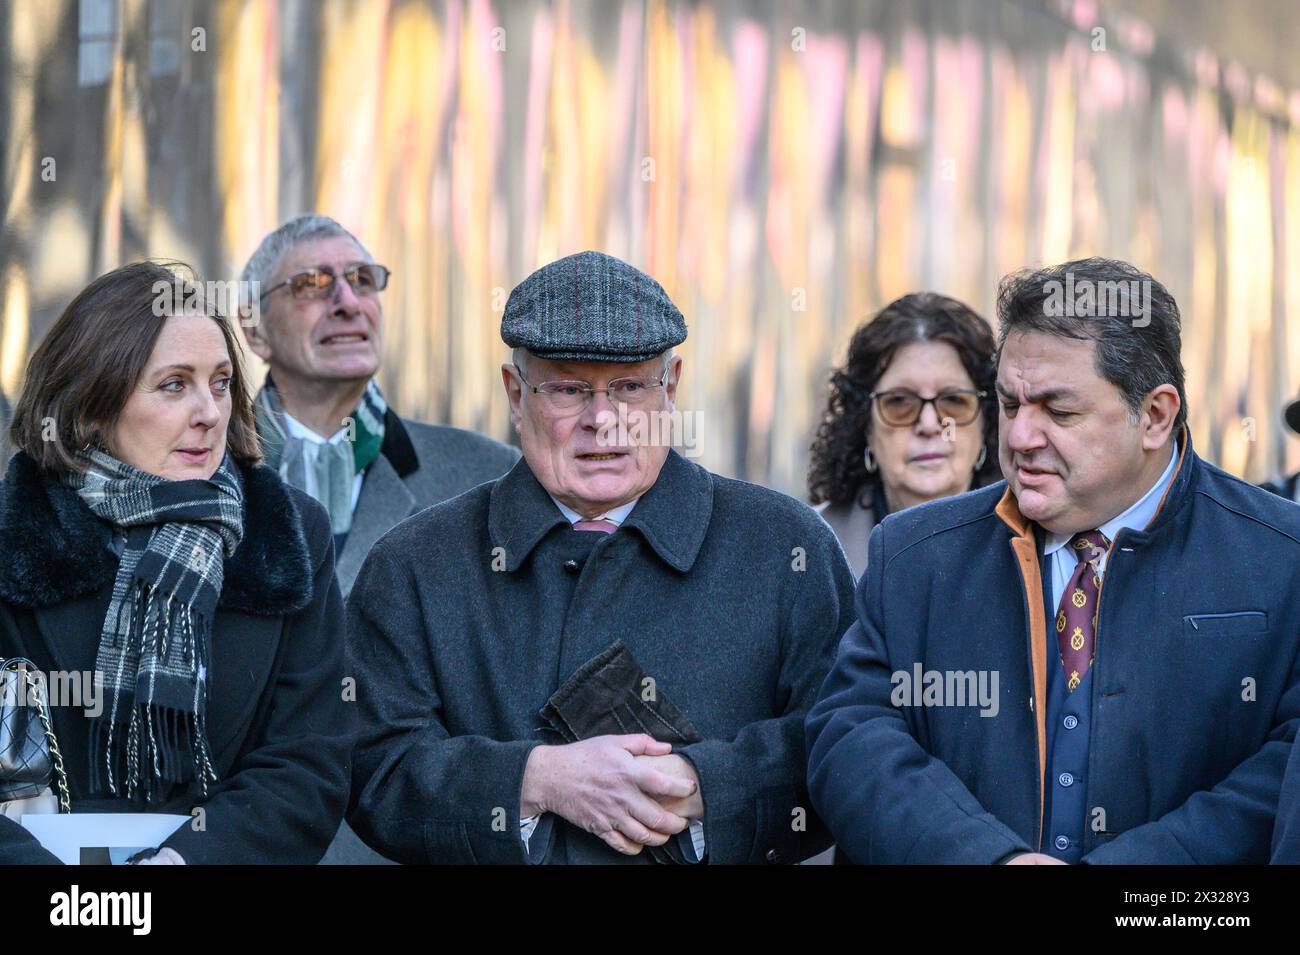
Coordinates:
[784,169]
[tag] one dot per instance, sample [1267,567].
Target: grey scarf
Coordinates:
[154,644]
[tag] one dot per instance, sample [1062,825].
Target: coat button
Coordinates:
[1066,779]
[1062,843]
[1071,721]
[572,567]
[773,856]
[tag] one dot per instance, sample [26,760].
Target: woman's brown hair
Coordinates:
[82,373]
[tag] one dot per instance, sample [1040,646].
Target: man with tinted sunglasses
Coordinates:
[323,421]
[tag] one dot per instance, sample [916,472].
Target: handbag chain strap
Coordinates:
[56,755]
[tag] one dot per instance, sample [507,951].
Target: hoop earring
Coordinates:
[869,461]
[984,454]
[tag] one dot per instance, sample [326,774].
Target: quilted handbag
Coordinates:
[30,760]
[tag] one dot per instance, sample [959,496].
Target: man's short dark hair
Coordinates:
[1131,317]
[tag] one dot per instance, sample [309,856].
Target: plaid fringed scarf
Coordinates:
[154,645]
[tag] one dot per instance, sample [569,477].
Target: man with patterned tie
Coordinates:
[1137,608]
[607,654]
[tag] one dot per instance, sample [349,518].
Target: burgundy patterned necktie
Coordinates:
[602,525]
[1076,619]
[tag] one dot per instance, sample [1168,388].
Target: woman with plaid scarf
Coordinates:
[144,546]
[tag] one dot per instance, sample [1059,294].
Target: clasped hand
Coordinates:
[631,791]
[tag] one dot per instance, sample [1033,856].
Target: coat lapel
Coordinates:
[385,501]
[674,514]
[1025,547]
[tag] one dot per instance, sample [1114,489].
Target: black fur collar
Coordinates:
[53,549]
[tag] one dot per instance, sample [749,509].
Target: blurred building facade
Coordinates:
[783,168]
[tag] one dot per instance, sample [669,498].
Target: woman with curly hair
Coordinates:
[911,417]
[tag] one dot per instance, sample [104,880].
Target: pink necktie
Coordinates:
[602,525]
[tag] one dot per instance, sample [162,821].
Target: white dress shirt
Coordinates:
[617,516]
[299,430]
[1135,518]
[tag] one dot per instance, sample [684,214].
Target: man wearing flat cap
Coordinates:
[605,655]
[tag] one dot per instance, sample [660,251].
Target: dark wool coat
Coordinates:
[278,726]
[418,465]
[1195,684]
[466,618]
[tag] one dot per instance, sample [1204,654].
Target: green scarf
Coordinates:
[336,464]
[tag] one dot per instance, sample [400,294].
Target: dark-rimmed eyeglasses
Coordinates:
[366,278]
[901,407]
[567,397]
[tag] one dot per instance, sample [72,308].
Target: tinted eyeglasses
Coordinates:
[366,278]
[901,408]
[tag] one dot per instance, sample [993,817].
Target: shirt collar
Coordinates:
[616,515]
[297,429]
[1136,517]
[673,515]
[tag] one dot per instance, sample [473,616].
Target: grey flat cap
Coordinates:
[591,307]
